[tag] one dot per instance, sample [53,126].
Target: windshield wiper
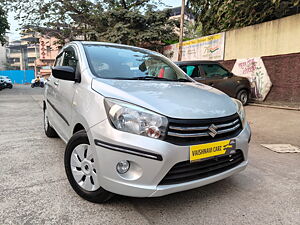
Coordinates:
[183,80]
[150,78]
[159,78]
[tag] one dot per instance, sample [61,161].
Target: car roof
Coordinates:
[109,44]
[196,62]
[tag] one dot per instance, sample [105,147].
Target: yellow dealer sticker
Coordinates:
[202,151]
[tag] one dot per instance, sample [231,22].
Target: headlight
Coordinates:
[134,119]
[240,110]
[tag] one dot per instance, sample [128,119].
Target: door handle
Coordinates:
[55,83]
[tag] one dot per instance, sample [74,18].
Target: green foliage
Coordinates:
[3,26]
[133,22]
[221,15]
[192,30]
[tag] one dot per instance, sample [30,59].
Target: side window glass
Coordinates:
[191,71]
[70,58]
[214,71]
[58,60]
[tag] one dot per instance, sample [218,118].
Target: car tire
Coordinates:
[49,131]
[243,96]
[79,165]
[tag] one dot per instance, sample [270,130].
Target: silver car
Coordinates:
[135,124]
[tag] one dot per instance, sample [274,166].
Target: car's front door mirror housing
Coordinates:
[64,73]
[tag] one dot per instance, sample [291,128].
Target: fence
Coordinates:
[19,76]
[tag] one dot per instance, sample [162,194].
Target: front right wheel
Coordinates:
[80,165]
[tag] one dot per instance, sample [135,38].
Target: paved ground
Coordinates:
[34,188]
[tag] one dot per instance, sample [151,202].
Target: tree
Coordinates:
[133,22]
[3,26]
[221,15]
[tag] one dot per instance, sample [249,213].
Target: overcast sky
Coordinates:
[14,24]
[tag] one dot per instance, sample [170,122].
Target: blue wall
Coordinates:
[19,76]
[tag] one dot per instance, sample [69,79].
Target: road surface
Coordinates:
[34,188]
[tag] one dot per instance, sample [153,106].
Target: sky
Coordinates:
[14,24]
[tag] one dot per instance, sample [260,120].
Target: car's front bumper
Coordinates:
[147,168]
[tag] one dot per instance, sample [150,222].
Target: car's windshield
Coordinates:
[129,63]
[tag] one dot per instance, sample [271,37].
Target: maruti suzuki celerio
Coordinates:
[135,124]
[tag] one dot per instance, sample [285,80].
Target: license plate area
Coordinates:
[208,150]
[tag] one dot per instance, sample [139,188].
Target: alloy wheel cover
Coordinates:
[82,164]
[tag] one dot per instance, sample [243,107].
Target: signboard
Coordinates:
[255,70]
[204,48]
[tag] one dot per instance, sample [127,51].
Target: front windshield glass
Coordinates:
[128,63]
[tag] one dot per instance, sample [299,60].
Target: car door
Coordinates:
[218,77]
[51,97]
[66,91]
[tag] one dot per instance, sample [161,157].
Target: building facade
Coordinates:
[21,54]
[48,48]
[33,51]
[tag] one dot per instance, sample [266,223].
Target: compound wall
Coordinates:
[18,76]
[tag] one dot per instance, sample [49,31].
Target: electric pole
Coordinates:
[181,30]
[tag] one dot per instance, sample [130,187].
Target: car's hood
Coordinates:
[185,100]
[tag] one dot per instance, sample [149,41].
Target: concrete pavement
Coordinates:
[34,188]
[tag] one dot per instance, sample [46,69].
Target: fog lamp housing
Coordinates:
[123,166]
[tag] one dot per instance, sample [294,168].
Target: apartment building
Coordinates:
[21,54]
[34,51]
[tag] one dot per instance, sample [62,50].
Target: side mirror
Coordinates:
[64,73]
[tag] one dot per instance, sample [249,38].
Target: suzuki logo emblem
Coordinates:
[213,130]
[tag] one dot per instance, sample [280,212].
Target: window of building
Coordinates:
[31,60]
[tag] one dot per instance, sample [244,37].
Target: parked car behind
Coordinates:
[214,74]
[2,84]
[135,124]
[7,82]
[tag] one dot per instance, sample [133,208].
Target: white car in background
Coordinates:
[7,82]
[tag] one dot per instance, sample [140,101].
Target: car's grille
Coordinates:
[190,132]
[187,171]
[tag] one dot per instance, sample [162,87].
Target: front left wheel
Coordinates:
[243,96]
[80,165]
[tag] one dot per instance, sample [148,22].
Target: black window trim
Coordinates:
[59,55]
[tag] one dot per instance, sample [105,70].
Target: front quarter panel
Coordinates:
[88,105]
